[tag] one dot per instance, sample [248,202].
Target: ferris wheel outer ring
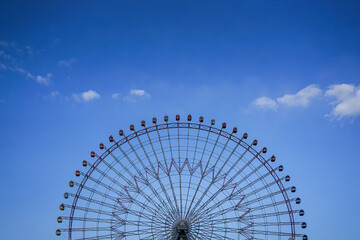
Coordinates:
[203,127]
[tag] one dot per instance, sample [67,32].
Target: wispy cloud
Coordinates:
[301,98]
[43,80]
[137,94]
[265,103]
[347,100]
[13,65]
[115,95]
[87,96]
[67,63]
[54,94]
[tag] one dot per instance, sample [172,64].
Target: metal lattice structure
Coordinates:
[181,180]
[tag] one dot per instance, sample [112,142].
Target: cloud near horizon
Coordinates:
[346,104]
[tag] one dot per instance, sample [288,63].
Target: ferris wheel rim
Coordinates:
[190,125]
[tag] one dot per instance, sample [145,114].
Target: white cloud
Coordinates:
[301,98]
[54,94]
[20,70]
[265,102]
[347,103]
[44,80]
[90,95]
[67,63]
[29,75]
[86,96]
[346,99]
[115,95]
[137,94]
[340,91]
[13,63]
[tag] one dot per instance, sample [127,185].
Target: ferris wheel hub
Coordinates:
[181,230]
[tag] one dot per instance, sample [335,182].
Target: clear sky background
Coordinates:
[74,72]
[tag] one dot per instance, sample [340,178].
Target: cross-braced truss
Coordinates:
[181,180]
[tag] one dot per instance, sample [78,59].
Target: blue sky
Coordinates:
[286,72]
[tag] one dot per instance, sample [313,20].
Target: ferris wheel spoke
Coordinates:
[267,215]
[237,193]
[167,167]
[123,195]
[180,185]
[245,218]
[139,204]
[213,235]
[246,203]
[111,213]
[187,158]
[113,221]
[102,175]
[270,205]
[204,171]
[95,202]
[215,176]
[230,180]
[81,219]
[106,236]
[255,170]
[94,191]
[88,209]
[178,208]
[146,179]
[272,233]
[193,167]
[134,186]
[261,178]
[154,171]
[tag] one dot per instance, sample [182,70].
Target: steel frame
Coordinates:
[201,127]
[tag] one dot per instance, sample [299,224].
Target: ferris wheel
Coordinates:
[181,181]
